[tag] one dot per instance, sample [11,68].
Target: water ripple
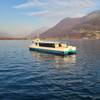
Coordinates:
[26,75]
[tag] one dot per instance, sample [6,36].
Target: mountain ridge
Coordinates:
[82,27]
[71,28]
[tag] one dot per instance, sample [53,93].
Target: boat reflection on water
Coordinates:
[54,60]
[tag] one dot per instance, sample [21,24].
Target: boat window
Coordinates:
[60,45]
[67,44]
[36,44]
[47,45]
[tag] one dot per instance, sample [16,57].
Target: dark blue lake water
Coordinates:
[26,75]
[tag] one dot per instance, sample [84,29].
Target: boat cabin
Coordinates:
[50,44]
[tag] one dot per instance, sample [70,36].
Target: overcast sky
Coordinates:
[24,16]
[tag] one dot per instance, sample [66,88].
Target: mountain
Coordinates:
[84,27]
[37,32]
[71,28]
[2,34]
[7,36]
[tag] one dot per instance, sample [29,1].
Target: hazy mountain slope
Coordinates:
[2,34]
[76,27]
[35,33]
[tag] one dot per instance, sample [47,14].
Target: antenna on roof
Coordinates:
[38,38]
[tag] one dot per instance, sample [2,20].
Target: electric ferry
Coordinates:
[58,48]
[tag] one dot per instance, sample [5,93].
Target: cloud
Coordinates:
[29,4]
[55,10]
[41,13]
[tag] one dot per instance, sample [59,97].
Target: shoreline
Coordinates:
[45,39]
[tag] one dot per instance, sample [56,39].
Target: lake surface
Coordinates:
[26,75]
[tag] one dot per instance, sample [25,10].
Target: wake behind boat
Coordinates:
[58,48]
